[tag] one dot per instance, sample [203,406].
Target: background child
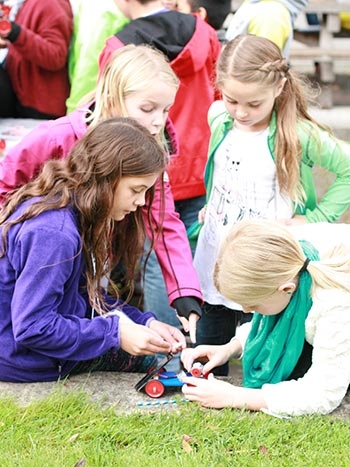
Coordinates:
[59,237]
[139,83]
[273,19]
[94,22]
[263,146]
[296,358]
[215,13]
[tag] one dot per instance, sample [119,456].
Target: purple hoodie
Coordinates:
[45,316]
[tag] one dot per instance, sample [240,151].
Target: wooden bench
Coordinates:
[325,50]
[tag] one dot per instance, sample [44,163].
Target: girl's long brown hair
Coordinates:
[253,59]
[86,181]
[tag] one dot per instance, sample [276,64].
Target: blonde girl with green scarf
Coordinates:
[296,350]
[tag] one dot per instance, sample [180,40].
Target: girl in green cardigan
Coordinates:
[263,146]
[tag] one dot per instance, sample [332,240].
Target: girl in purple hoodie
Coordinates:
[59,236]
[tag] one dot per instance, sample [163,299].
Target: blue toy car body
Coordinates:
[157,379]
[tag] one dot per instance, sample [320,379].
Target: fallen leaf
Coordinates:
[73,438]
[263,450]
[185,443]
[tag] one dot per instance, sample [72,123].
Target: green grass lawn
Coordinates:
[69,430]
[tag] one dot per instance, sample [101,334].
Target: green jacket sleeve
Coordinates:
[94,22]
[320,148]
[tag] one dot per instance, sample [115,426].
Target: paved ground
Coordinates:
[116,390]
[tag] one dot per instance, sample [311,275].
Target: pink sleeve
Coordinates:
[24,161]
[173,250]
[112,44]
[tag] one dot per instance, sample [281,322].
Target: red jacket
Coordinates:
[37,59]
[192,47]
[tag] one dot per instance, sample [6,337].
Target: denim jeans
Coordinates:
[217,326]
[155,296]
[189,209]
[115,360]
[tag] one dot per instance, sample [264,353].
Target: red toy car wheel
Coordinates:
[154,388]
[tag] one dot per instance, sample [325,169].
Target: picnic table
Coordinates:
[321,44]
[328,45]
[12,131]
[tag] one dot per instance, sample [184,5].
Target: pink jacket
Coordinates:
[54,139]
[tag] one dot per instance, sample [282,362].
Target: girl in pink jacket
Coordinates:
[139,83]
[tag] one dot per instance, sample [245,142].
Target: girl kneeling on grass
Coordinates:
[296,351]
[59,236]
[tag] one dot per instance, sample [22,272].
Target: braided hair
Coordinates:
[253,59]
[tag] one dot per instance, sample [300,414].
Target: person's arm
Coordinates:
[173,250]
[319,391]
[324,386]
[24,161]
[212,392]
[51,320]
[46,258]
[216,355]
[47,44]
[217,394]
[175,259]
[87,42]
[334,155]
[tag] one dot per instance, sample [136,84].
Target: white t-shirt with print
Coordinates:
[244,187]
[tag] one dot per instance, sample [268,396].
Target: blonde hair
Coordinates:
[259,255]
[253,59]
[131,69]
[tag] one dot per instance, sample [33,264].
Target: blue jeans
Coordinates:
[189,209]
[155,296]
[155,299]
[217,326]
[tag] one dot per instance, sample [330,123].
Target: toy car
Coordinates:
[157,379]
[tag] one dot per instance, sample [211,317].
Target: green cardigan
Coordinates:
[318,148]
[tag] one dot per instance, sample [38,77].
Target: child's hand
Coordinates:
[170,334]
[209,392]
[217,394]
[201,215]
[190,325]
[214,355]
[142,340]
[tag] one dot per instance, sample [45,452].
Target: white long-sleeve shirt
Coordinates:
[327,329]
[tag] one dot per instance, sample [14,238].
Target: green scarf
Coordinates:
[275,342]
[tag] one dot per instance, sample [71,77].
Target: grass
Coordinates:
[69,430]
